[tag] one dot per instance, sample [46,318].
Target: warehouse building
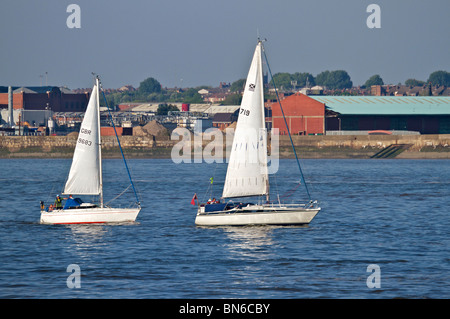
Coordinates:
[35,105]
[45,97]
[422,114]
[304,115]
[313,115]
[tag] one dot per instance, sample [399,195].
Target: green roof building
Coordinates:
[423,114]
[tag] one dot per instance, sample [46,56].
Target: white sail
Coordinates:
[85,172]
[247,173]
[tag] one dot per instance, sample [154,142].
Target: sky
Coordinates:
[189,43]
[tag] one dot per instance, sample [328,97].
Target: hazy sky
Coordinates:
[188,43]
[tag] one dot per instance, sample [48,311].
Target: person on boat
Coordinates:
[42,205]
[58,202]
[208,202]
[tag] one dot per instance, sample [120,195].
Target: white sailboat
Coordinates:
[247,173]
[85,178]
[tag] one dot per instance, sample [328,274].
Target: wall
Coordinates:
[364,141]
[364,145]
[304,115]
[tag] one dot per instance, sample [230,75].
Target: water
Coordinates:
[392,213]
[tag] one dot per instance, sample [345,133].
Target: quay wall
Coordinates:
[344,146]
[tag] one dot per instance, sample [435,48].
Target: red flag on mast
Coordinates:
[193,199]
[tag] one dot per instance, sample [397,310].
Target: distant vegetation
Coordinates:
[150,90]
[374,80]
[439,78]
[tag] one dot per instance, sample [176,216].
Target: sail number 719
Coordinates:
[245,112]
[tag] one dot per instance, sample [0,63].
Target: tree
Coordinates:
[414,82]
[282,81]
[304,79]
[164,109]
[232,99]
[191,95]
[148,86]
[374,80]
[321,78]
[237,86]
[338,79]
[287,80]
[439,78]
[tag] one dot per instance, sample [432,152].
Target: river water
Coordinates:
[383,232]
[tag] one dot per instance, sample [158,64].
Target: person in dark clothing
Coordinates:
[58,202]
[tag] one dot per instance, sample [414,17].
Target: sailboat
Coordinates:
[247,172]
[86,178]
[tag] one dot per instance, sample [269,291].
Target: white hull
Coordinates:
[90,215]
[257,215]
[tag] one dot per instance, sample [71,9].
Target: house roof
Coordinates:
[31,89]
[386,105]
[224,117]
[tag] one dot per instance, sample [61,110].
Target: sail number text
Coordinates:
[245,112]
[85,131]
[82,140]
[85,142]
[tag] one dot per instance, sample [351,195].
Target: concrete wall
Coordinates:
[317,146]
[364,141]
[48,143]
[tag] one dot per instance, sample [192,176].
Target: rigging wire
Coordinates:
[120,147]
[285,122]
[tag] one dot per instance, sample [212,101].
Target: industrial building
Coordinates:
[422,114]
[312,115]
[37,104]
[45,97]
[304,115]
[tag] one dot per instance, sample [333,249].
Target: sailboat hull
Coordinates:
[90,216]
[257,216]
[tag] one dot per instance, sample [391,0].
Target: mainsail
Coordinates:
[85,172]
[247,173]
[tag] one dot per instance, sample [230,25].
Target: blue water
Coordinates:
[391,213]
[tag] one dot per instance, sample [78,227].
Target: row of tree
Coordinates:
[150,90]
[336,80]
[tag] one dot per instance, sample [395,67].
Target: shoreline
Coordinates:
[307,147]
[165,153]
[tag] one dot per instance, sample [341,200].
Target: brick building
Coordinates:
[44,97]
[304,115]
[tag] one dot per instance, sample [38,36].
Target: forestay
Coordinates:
[247,173]
[84,177]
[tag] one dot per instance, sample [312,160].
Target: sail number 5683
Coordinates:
[85,142]
[245,112]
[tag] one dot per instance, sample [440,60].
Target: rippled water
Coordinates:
[392,213]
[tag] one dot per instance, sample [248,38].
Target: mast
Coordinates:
[99,142]
[263,124]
